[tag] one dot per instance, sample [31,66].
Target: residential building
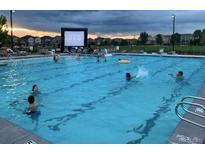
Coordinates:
[186,38]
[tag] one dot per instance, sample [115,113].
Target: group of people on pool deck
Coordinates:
[31,100]
[179,76]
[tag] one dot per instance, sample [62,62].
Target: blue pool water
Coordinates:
[88,102]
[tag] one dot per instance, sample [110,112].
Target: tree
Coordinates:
[202,37]
[196,37]
[3,31]
[159,39]
[176,38]
[143,38]
[124,42]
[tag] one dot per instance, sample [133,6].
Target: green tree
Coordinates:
[143,38]
[159,39]
[176,38]
[124,42]
[197,37]
[202,37]
[3,31]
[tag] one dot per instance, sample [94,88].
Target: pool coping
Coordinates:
[93,55]
[161,55]
[186,133]
[12,134]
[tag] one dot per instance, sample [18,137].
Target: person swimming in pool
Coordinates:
[128,76]
[35,89]
[178,76]
[78,56]
[32,105]
[56,58]
[98,58]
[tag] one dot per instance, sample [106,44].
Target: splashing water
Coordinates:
[142,72]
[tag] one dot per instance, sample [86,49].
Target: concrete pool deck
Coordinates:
[186,133]
[161,55]
[130,54]
[12,134]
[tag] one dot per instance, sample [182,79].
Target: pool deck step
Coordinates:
[12,134]
[187,133]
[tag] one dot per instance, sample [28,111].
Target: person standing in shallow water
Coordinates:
[32,105]
[98,58]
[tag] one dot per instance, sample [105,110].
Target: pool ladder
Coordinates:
[198,106]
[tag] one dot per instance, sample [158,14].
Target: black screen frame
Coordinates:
[63,30]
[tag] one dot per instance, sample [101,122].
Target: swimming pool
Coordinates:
[88,102]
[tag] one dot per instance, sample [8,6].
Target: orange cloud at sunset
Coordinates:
[20,32]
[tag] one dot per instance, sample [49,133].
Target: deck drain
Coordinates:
[30,142]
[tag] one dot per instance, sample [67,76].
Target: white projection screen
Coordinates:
[73,37]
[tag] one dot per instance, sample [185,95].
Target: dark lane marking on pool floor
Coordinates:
[144,129]
[87,106]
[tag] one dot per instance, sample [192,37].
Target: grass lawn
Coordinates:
[190,50]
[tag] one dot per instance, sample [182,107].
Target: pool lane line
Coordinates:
[164,108]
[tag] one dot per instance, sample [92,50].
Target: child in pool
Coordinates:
[32,105]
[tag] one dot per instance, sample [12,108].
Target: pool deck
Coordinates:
[131,54]
[161,55]
[186,133]
[12,134]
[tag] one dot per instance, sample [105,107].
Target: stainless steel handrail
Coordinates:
[188,111]
[192,97]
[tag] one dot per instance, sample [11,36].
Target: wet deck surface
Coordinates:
[187,133]
[12,134]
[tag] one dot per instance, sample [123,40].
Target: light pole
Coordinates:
[173,36]
[11,22]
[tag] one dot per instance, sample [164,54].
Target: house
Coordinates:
[37,40]
[185,39]
[31,41]
[151,40]
[166,39]
[46,40]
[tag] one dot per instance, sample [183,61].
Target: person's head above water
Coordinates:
[31,99]
[119,59]
[128,76]
[180,75]
[34,88]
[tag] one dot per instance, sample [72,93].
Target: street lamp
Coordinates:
[173,36]
[11,22]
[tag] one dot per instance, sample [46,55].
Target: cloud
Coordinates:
[110,22]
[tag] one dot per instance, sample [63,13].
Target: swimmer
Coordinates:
[32,105]
[35,89]
[179,75]
[128,76]
[98,58]
[78,56]
[56,57]
[105,59]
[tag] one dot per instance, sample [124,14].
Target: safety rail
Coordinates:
[183,102]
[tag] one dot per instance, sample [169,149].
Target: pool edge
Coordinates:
[12,134]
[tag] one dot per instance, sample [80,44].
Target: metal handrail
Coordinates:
[192,97]
[188,111]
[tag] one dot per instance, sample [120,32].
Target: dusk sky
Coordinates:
[105,23]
